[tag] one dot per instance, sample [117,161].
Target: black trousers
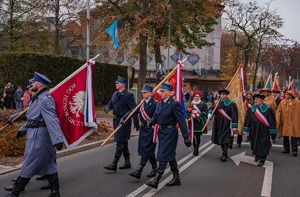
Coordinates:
[163,164]
[122,148]
[294,143]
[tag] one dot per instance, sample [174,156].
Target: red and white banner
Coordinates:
[261,117]
[74,100]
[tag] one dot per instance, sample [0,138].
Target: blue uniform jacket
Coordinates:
[122,104]
[169,114]
[146,147]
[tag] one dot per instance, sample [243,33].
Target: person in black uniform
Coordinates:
[167,114]
[146,145]
[122,102]
[225,122]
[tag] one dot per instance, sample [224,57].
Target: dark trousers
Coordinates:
[163,164]
[122,148]
[239,140]
[294,143]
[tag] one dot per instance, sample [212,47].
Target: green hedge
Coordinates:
[18,68]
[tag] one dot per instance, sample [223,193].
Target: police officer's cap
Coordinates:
[224,91]
[41,78]
[166,86]
[121,80]
[147,88]
[258,96]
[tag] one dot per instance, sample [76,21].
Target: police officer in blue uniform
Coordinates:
[167,114]
[122,102]
[146,146]
[43,136]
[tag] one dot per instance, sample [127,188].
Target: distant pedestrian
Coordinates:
[18,96]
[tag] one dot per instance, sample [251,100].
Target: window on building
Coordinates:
[208,56]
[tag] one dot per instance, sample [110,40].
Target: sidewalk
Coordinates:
[66,152]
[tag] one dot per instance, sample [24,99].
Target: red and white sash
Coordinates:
[225,115]
[261,117]
[147,118]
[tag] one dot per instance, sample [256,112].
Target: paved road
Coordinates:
[82,174]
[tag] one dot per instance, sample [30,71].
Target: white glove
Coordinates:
[209,116]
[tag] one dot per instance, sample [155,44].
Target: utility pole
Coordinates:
[87,30]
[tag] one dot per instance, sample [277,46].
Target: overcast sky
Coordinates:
[289,10]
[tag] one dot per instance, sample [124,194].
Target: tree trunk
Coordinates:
[143,64]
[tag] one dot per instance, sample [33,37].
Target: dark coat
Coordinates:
[221,127]
[277,101]
[122,104]
[258,132]
[146,147]
[169,115]
[198,124]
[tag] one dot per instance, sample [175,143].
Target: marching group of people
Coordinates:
[268,113]
[158,121]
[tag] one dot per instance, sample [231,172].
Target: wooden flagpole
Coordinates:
[50,91]
[214,110]
[137,107]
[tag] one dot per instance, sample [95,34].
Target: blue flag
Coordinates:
[112,32]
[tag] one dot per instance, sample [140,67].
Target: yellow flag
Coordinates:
[236,95]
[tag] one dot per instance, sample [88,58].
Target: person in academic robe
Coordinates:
[225,122]
[287,117]
[260,123]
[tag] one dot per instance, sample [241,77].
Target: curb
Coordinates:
[63,153]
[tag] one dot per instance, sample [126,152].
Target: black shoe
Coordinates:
[230,146]
[261,163]
[223,158]
[173,182]
[46,187]
[295,154]
[195,153]
[256,159]
[125,166]
[136,174]
[41,178]
[14,179]
[152,173]
[11,187]
[154,182]
[285,151]
[111,166]
[239,145]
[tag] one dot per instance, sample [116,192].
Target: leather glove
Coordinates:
[59,146]
[121,122]
[19,134]
[187,142]
[106,110]
[137,127]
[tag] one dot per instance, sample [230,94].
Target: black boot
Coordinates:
[113,165]
[176,179]
[154,168]
[46,187]
[41,178]
[54,182]
[127,163]
[154,182]
[225,152]
[137,173]
[19,186]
